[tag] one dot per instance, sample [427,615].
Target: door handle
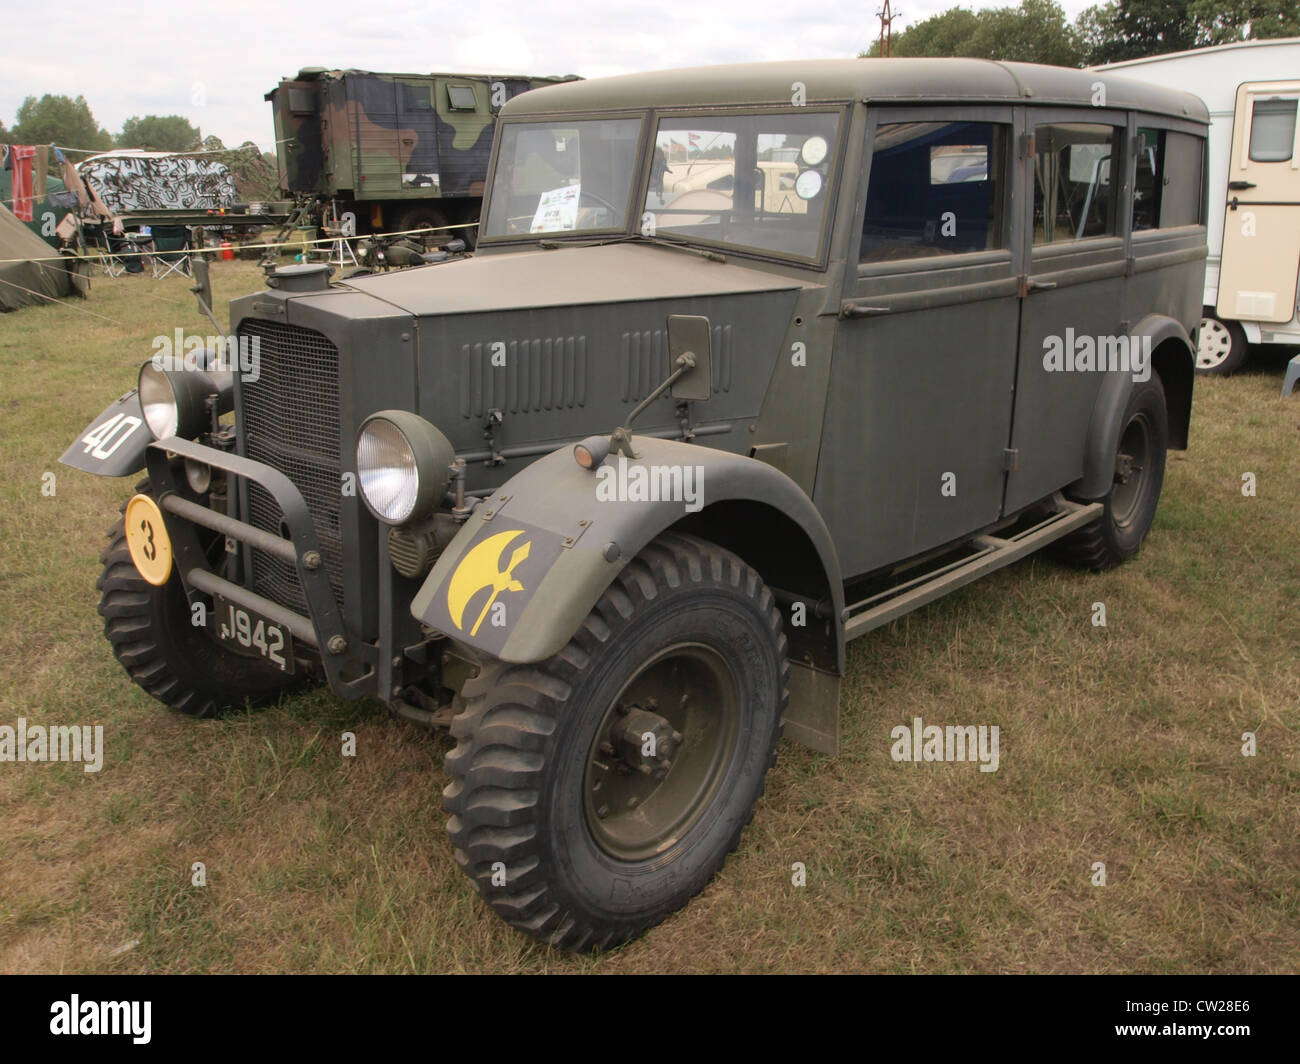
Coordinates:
[858,310]
[1240,186]
[1039,286]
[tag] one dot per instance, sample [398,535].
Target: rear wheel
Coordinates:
[598,791]
[1221,347]
[1139,474]
[421,218]
[152,633]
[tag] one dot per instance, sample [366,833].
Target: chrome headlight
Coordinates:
[403,465]
[158,401]
[175,401]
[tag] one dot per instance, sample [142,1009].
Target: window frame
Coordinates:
[577,235]
[1005,114]
[835,176]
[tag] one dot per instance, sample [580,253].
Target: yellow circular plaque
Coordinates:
[146,537]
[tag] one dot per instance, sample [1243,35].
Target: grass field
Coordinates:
[1120,745]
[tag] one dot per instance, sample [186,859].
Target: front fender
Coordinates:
[519,579]
[114,444]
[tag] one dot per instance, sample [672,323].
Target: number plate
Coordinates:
[248,632]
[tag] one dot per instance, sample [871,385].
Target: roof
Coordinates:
[839,80]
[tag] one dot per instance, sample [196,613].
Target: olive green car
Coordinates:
[750,361]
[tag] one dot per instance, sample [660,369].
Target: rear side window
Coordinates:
[1073,167]
[1168,190]
[936,188]
[1272,130]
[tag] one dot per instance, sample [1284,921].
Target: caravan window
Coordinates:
[1272,131]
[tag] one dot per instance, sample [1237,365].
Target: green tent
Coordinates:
[48,210]
[23,278]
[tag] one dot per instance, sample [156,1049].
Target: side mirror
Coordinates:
[691,334]
[202,286]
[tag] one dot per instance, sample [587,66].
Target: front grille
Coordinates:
[290,420]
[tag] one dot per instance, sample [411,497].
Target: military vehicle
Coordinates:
[394,151]
[629,478]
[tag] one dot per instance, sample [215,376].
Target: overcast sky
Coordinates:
[212,63]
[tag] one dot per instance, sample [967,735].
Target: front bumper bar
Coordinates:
[349,662]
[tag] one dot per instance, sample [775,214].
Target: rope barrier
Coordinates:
[126,152]
[61,302]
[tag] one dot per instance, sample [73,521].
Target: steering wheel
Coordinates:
[587,194]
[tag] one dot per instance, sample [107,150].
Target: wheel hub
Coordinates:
[642,740]
[646,783]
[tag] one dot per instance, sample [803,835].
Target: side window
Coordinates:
[1183,199]
[1168,188]
[1150,181]
[936,188]
[1272,130]
[1073,163]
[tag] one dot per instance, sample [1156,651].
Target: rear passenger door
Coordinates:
[1075,234]
[919,406]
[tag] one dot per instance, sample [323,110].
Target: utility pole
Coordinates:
[886,32]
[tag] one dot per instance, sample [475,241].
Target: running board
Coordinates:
[994,552]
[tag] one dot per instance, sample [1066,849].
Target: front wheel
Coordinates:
[598,791]
[154,637]
[1130,505]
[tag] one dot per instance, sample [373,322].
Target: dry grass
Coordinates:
[1118,744]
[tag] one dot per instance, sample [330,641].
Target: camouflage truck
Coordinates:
[609,497]
[397,151]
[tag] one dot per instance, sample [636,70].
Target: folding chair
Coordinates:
[171,245]
[141,244]
[97,235]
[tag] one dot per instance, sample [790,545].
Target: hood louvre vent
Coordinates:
[520,376]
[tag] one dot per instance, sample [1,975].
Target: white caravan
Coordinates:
[1252,89]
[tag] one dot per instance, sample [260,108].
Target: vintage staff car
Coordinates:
[965,342]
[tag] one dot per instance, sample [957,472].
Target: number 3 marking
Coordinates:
[150,549]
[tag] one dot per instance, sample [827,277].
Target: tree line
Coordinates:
[1037,30]
[70,123]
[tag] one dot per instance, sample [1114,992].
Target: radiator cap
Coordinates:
[301,277]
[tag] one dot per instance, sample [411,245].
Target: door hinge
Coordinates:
[1027,149]
[1010,459]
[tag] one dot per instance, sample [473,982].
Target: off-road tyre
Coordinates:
[1129,507]
[527,737]
[152,636]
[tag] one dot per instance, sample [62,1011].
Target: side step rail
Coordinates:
[994,552]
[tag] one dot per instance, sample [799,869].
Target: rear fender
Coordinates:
[1174,359]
